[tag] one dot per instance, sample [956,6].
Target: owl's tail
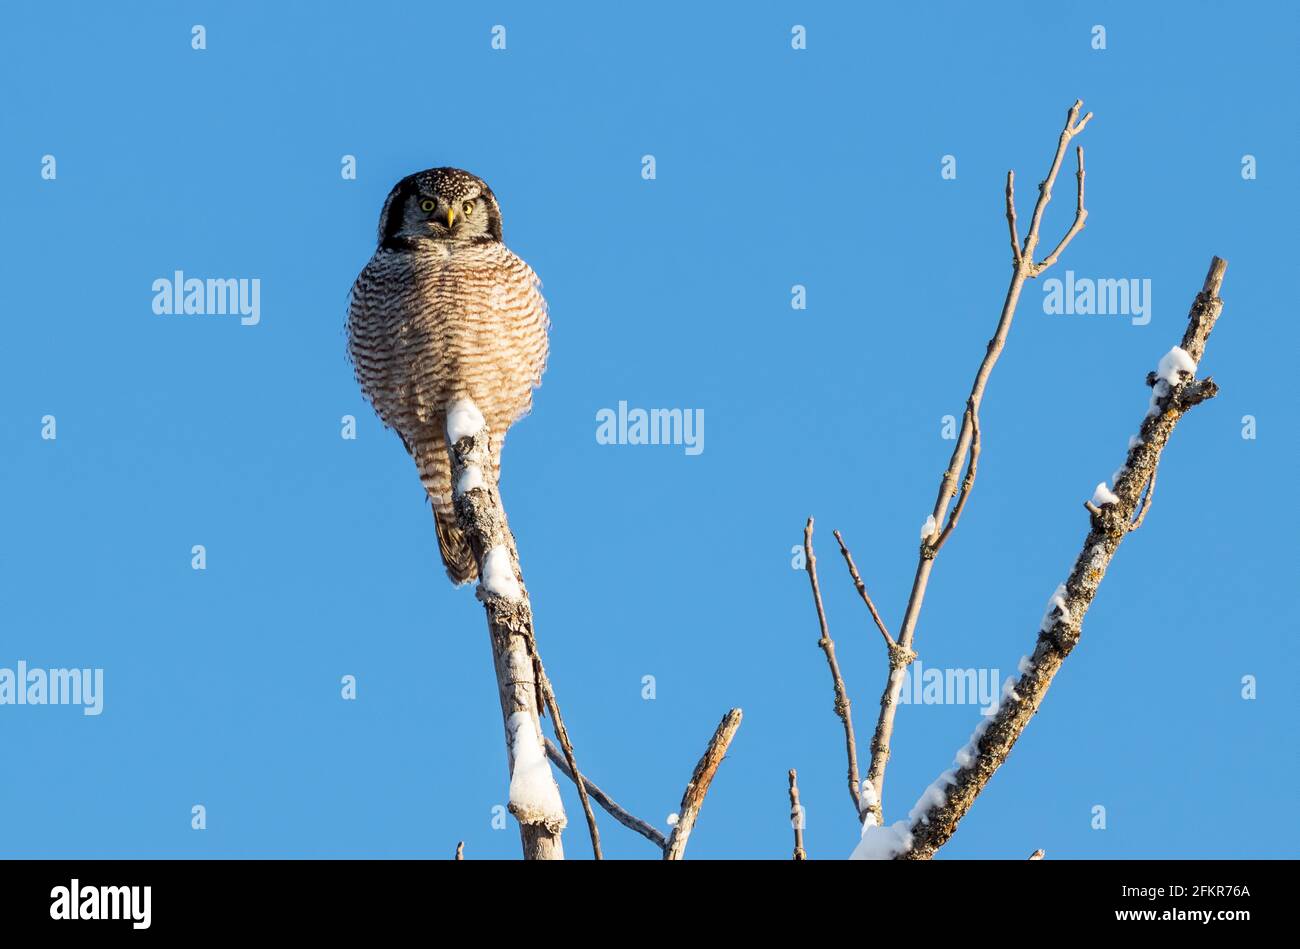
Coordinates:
[454,547]
[435,474]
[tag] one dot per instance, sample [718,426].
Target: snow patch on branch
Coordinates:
[1169,373]
[929,528]
[1056,609]
[470,478]
[1009,691]
[932,797]
[882,843]
[499,574]
[869,796]
[968,752]
[534,796]
[1158,392]
[1102,495]
[463,418]
[1173,364]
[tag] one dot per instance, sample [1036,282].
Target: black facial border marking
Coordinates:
[450,182]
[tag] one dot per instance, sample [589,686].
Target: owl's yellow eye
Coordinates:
[468,208]
[428,206]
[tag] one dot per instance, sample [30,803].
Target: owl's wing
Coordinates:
[526,331]
[371,329]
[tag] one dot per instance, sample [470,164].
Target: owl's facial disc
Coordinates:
[451,216]
[441,204]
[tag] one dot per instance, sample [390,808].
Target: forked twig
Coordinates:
[966,450]
[1080,217]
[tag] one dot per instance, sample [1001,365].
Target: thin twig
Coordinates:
[842,706]
[563,734]
[1011,217]
[796,817]
[997,735]
[862,590]
[701,778]
[972,466]
[1146,499]
[647,831]
[1022,270]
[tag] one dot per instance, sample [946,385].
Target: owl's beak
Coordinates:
[451,216]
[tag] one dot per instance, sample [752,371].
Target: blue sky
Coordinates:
[774,167]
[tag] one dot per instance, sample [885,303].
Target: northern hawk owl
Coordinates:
[442,312]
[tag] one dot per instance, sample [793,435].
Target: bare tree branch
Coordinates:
[1060,631]
[1023,269]
[701,778]
[842,706]
[796,817]
[650,833]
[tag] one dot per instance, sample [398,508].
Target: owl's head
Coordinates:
[441,204]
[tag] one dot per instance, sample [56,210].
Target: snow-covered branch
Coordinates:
[1175,390]
[534,796]
[524,688]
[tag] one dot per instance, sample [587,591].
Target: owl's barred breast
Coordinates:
[440,322]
